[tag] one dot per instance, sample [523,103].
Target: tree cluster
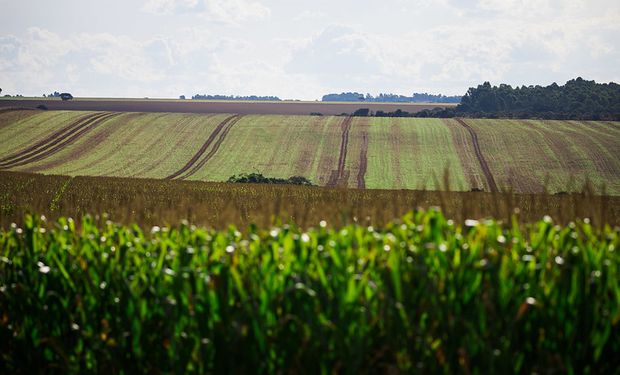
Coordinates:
[578,99]
[390,98]
[438,112]
[257,178]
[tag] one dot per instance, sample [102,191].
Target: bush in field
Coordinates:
[420,295]
[257,178]
[361,112]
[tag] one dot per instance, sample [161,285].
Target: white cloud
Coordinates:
[235,11]
[170,6]
[172,47]
[222,11]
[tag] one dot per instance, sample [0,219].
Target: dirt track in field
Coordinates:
[56,141]
[216,146]
[197,106]
[339,177]
[361,174]
[483,163]
[193,165]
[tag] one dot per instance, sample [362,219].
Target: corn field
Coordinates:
[418,295]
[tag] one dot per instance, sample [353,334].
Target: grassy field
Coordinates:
[526,156]
[413,154]
[420,294]
[566,153]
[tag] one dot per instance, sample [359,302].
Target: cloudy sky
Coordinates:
[301,49]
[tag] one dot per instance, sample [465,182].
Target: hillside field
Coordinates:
[527,156]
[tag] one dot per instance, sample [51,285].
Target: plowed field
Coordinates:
[526,156]
[216,106]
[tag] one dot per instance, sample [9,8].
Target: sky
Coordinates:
[298,49]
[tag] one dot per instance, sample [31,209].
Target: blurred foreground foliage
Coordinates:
[419,295]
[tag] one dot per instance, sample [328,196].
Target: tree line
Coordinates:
[390,98]
[578,99]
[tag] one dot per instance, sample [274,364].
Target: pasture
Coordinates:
[525,156]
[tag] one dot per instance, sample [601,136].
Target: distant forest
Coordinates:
[230,97]
[390,98]
[578,99]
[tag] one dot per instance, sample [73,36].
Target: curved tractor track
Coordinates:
[483,163]
[195,163]
[56,142]
[48,139]
[340,176]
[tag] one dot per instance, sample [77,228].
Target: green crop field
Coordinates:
[278,146]
[421,294]
[413,154]
[527,156]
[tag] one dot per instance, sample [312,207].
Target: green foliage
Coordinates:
[258,178]
[577,99]
[361,112]
[420,295]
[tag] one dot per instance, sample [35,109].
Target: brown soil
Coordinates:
[202,149]
[483,163]
[361,183]
[196,106]
[57,141]
[337,176]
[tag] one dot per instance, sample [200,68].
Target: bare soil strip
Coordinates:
[361,182]
[13,109]
[337,176]
[51,138]
[216,146]
[202,106]
[483,163]
[203,148]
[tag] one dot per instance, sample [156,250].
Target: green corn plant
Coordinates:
[419,295]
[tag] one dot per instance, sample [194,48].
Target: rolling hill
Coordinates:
[527,156]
